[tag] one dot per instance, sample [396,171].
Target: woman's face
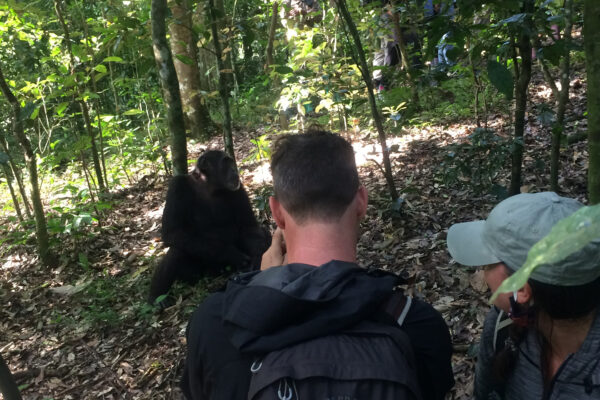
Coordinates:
[494,275]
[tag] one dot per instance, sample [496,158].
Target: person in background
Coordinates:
[542,341]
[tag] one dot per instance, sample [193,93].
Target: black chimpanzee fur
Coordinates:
[208,225]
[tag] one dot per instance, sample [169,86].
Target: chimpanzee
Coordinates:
[208,225]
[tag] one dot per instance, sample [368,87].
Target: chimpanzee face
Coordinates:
[217,170]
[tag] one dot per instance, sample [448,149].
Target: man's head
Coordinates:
[314,176]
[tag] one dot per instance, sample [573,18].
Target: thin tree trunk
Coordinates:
[272,30]
[94,149]
[82,103]
[223,81]
[45,254]
[170,85]
[8,386]
[16,173]
[523,77]
[15,201]
[86,173]
[96,102]
[591,32]
[562,99]
[476,83]
[364,68]
[183,43]
[404,58]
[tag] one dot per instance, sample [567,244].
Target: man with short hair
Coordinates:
[317,290]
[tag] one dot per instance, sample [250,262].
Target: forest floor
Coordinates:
[83,331]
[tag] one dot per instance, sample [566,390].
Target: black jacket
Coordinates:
[261,312]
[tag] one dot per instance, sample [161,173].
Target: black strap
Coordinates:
[397,306]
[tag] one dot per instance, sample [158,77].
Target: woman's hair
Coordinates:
[559,303]
[566,302]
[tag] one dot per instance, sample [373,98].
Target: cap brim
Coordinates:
[466,246]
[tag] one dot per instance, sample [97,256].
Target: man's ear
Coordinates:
[524,294]
[362,198]
[277,211]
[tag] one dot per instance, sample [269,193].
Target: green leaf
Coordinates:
[553,52]
[283,69]
[35,113]
[100,68]
[61,108]
[515,19]
[133,111]
[568,236]
[184,59]
[501,78]
[113,59]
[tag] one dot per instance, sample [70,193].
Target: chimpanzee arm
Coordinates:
[254,239]
[8,386]
[177,218]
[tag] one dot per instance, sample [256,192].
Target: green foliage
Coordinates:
[262,149]
[476,162]
[566,237]
[501,78]
[260,202]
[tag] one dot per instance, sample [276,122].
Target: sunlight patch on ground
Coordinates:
[545,92]
[368,152]
[261,175]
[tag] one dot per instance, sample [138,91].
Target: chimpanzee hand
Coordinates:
[237,259]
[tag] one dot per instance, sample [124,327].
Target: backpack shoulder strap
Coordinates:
[501,331]
[397,306]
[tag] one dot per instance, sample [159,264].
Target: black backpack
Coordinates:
[371,361]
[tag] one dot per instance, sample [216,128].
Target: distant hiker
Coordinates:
[542,341]
[313,324]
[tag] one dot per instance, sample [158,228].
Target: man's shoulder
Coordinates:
[208,312]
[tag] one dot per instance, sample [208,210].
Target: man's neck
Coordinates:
[318,243]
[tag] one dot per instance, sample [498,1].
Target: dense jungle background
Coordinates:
[451,106]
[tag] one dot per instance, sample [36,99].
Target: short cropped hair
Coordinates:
[314,175]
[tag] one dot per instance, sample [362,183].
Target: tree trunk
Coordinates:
[16,173]
[591,32]
[96,103]
[82,103]
[563,98]
[404,57]
[8,386]
[13,196]
[183,44]
[223,80]
[364,68]
[44,252]
[272,30]
[170,86]
[94,149]
[523,76]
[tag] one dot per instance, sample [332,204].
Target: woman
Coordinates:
[542,341]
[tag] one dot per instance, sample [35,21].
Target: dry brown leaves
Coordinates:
[56,352]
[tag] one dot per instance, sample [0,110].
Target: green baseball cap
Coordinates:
[513,227]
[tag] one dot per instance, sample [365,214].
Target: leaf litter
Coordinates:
[82,330]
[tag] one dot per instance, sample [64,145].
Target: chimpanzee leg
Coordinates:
[166,272]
